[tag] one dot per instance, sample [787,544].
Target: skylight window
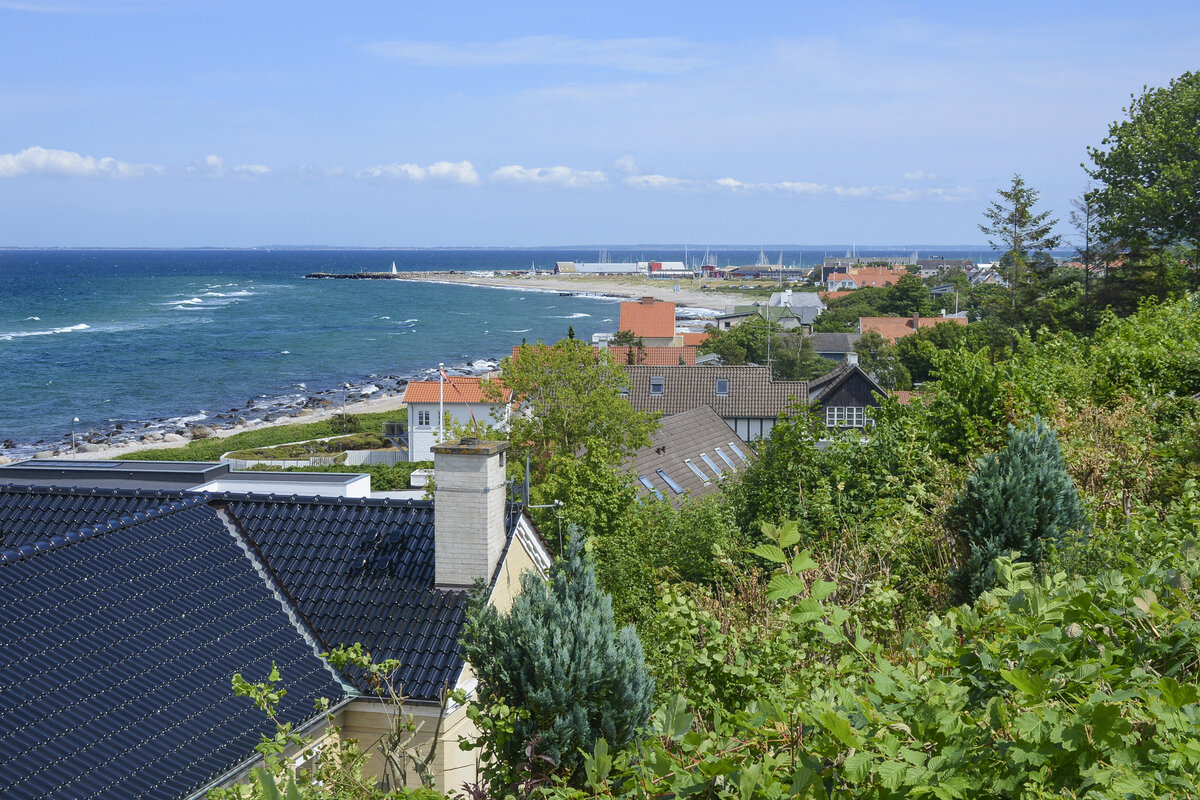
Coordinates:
[699,472]
[716,470]
[646,482]
[739,452]
[656,385]
[726,459]
[723,387]
[675,487]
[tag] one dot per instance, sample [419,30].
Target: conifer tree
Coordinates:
[1017,499]
[558,661]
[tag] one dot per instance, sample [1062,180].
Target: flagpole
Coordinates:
[441,400]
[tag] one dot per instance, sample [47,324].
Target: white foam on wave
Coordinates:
[522,330]
[576,315]
[39,319]
[239,293]
[8,337]
[411,320]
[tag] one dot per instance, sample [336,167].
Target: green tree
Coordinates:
[1148,170]
[882,362]
[1016,500]
[908,296]
[793,358]
[555,675]
[626,339]
[572,404]
[1015,230]
[741,344]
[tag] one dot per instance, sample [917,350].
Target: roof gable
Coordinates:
[118,644]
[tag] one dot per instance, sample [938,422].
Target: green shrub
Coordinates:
[1019,499]
[555,674]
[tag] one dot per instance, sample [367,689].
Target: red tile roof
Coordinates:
[648,318]
[654,356]
[835,295]
[893,328]
[902,396]
[459,389]
[694,339]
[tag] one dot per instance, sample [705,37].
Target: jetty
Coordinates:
[377,276]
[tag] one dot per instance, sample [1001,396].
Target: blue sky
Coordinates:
[185,123]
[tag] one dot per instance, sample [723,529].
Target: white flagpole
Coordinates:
[441,400]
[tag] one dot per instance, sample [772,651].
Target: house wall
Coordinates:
[751,428]
[423,437]
[855,391]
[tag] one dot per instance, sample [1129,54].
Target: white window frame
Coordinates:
[423,418]
[717,388]
[659,382]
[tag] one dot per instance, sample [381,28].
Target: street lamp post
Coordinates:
[73,421]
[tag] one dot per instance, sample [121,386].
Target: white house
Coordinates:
[463,402]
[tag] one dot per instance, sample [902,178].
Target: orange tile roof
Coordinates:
[459,389]
[893,328]
[695,339]
[903,396]
[650,320]
[654,356]
[876,277]
[835,295]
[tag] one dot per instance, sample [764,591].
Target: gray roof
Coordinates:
[694,436]
[834,342]
[827,384]
[752,393]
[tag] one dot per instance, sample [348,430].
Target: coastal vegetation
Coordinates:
[988,593]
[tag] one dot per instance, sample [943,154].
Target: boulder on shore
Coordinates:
[87,447]
[202,432]
[304,412]
[174,437]
[44,454]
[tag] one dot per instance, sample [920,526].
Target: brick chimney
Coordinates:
[469,527]
[916,320]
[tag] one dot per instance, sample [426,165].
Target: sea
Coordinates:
[129,342]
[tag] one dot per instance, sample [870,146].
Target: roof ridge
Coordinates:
[15,487]
[57,541]
[323,500]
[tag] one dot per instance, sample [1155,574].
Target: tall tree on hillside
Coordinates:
[1016,230]
[1085,219]
[1148,170]
[908,296]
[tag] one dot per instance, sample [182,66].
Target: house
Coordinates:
[689,455]
[126,611]
[844,396]
[652,355]
[744,396]
[461,398]
[600,268]
[782,317]
[893,328]
[670,269]
[865,276]
[805,306]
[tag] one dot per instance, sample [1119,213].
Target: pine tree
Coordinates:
[1017,499]
[559,661]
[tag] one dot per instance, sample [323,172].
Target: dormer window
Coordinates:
[722,387]
[656,385]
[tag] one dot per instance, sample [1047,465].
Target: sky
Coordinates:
[178,123]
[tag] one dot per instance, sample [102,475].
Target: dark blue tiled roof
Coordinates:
[30,514]
[362,571]
[117,645]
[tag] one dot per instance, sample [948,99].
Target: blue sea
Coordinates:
[153,339]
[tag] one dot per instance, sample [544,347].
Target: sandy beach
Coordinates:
[689,295]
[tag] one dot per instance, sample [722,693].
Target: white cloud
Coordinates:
[627,165]
[252,170]
[652,55]
[654,182]
[68,164]
[799,187]
[453,171]
[549,176]
[734,184]
[918,175]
